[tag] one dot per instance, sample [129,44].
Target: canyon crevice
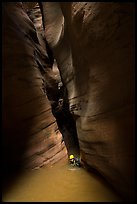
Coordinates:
[88,48]
[31,135]
[93,44]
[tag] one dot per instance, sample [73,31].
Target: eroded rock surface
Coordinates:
[93,44]
[30,133]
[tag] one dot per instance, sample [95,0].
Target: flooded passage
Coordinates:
[59,183]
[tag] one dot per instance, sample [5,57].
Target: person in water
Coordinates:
[74,161]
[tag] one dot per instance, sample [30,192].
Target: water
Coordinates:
[60,183]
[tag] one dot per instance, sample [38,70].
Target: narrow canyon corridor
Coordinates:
[68,99]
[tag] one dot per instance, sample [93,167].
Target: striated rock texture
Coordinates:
[93,44]
[55,89]
[30,133]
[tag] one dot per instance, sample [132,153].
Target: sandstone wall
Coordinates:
[93,44]
[30,133]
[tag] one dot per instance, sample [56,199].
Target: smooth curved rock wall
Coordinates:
[95,55]
[30,133]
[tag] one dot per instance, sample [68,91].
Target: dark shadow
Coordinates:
[16,59]
[65,121]
[103,180]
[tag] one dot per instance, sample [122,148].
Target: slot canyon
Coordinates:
[68,88]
